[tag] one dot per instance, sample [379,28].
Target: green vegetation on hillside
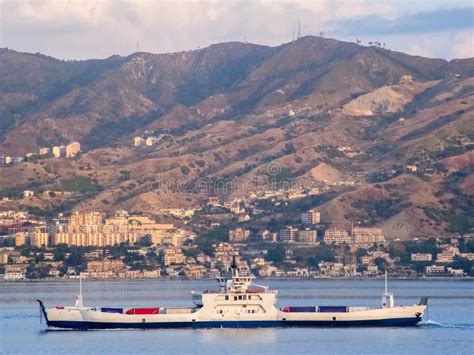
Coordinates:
[404,249]
[81,184]
[380,210]
[218,235]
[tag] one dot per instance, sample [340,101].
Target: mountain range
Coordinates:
[353,120]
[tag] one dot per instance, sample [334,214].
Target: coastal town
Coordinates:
[95,245]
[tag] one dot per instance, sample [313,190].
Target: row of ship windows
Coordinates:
[245,311]
[239,298]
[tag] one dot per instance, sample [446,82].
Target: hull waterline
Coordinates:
[397,322]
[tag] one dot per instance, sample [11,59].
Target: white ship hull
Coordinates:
[91,318]
[238,304]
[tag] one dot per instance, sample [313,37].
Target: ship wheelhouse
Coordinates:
[237,298]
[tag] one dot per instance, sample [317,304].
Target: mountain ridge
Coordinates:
[229,110]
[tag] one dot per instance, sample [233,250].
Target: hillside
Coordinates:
[315,113]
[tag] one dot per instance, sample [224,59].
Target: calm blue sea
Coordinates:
[448,328]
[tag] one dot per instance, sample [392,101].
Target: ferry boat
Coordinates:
[239,303]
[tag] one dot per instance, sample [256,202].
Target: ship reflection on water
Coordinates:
[238,336]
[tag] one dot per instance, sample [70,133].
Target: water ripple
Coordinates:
[433,324]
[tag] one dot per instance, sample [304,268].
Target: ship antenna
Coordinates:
[386,282]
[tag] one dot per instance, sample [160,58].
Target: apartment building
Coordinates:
[72,149]
[288,235]
[39,238]
[195,271]
[311,217]
[59,151]
[421,257]
[435,269]
[336,236]
[268,236]
[15,272]
[94,239]
[138,141]
[447,255]
[223,253]
[105,266]
[361,235]
[307,236]
[21,239]
[91,229]
[173,256]
[238,235]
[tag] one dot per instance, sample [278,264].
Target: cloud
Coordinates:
[463,46]
[84,13]
[424,22]
[78,29]
[447,44]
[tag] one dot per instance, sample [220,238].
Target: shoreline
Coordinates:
[142,279]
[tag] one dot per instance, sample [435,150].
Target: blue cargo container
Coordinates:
[112,310]
[335,309]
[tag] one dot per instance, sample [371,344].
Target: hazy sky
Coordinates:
[74,29]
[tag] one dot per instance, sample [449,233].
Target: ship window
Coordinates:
[240,298]
[226,298]
[245,297]
[235,298]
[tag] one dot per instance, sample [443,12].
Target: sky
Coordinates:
[83,29]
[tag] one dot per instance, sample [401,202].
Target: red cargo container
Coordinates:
[143,311]
[299,309]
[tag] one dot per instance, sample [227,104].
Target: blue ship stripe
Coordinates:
[394,322]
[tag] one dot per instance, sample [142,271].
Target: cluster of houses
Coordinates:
[169,251]
[287,235]
[246,204]
[141,141]
[176,262]
[61,151]
[89,229]
[181,213]
[438,266]
[356,237]
[148,141]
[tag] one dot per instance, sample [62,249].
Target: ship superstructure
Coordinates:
[238,303]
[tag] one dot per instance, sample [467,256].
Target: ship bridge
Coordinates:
[235,285]
[237,281]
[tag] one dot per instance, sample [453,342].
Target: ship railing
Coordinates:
[244,273]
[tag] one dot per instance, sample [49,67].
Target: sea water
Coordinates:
[447,328]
